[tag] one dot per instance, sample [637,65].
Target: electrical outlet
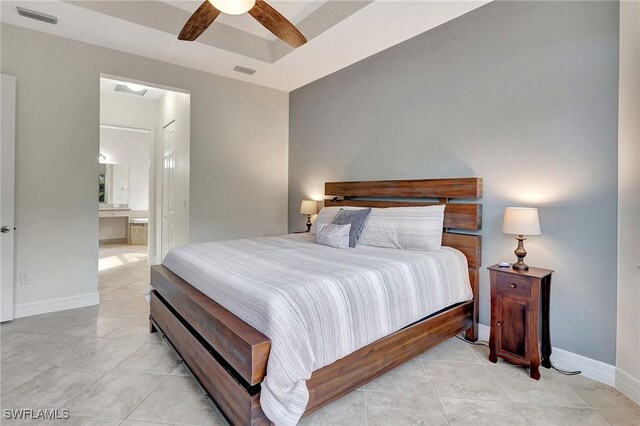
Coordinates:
[25,278]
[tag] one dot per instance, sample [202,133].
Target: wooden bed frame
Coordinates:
[229,357]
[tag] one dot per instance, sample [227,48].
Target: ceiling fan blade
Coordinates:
[272,20]
[199,21]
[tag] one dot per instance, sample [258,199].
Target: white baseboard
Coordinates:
[628,385]
[591,368]
[54,305]
[483,332]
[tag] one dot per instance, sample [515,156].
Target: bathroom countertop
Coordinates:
[110,209]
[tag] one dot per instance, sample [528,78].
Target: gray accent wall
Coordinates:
[522,94]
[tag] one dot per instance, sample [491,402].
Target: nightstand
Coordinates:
[516,299]
[300,232]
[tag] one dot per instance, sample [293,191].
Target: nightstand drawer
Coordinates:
[513,284]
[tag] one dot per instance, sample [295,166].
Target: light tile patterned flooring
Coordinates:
[103,365]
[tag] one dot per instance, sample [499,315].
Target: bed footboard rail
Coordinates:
[244,348]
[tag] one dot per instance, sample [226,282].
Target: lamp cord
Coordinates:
[565,372]
[559,370]
[478,343]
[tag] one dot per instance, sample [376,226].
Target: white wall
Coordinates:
[628,326]
[239,137]
[129,147]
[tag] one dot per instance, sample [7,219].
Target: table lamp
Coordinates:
[521,221]
[309,207]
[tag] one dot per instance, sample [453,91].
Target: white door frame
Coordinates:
[162,148]
[7,189]
[155,177]
[152,206]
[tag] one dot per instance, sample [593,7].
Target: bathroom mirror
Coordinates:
[113,183]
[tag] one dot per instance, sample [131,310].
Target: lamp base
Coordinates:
[308,223]
[520,266]
[520,253]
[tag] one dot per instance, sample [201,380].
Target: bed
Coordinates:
[230,357]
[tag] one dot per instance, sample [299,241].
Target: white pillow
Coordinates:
[332,235]
[327,214]
[412,228]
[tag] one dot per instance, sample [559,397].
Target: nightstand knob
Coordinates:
[512,285]
[499,323]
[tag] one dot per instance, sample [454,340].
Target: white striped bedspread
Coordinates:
[318,304]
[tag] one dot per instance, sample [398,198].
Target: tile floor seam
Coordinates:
[480,399]
[61,362]
[573,391]
[497,382]
[143,400]
[210,412]
[453,361]
[118,329]
[461,337]
[120,302]
[83,389]
[424,368]
[4,395]
[495,379]
[207,398]
[603,419]
[366,414]
[520,414]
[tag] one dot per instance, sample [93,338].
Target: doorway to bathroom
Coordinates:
[142,183]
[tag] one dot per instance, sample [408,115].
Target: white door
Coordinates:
[168,187]
[7,158]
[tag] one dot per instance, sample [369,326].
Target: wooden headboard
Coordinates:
[458,216]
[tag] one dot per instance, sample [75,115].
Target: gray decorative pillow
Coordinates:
[332,235]
[327,214]
[356,218]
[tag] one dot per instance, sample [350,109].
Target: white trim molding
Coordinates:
[628,385]
[54,305]
[591,368]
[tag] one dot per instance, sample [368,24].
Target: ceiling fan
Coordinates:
[270,18]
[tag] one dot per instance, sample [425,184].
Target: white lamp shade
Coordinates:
[521,221]
[309,207]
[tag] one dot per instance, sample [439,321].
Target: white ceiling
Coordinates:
[362,32]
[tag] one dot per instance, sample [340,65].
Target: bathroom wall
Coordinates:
[129,147]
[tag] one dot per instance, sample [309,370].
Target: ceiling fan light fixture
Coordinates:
[233,7]
[259,10]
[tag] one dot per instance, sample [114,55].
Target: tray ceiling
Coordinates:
[340,33]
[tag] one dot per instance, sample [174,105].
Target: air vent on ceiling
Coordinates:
[38,16]
[123,88]
[244,70]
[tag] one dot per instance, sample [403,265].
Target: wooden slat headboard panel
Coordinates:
[406,193]
[465,188]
